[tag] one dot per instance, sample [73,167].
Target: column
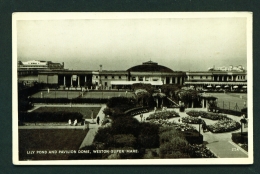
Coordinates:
[227,78]
[203,103]
[71,81]
[218,78]
[222,78]
[137,79]
[78,81]
[232,78]
[180,80]
[85,78]
[143,78]
[170,80]
[164,80]
[192,104]
[176,80]
[64,80]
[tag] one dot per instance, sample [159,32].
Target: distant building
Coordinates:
[148,73]
[28,71]
[222,78]
[232,78]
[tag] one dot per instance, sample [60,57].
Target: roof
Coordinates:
[150,67]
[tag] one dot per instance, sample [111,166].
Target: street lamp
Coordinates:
[199,124]
[243,120]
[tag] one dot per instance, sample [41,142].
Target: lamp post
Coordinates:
[243,120]
[199,124]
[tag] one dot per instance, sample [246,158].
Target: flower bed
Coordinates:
[224,125]
[163,115]
[200,151]
[191,120]
[211,116]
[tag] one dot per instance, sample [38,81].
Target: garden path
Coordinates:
[88,140]
[219,143]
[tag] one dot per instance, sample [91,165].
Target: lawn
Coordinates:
[85,111]
[45,140]
[57,94]
[107,94]
[231,101]
[75,94]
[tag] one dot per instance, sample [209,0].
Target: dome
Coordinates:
[150,67]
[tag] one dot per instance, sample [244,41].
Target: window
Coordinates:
[206,77]
[105,77]
[96,77]
[119,77]
[113,77]
[200,77]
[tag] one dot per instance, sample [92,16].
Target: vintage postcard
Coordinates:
[132,88]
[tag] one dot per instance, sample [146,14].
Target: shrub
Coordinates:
[148,136]
[124,140]
[49,116]
[237,138]
[191,120]
[163,115]
[125,125]
[177,147]
[200,151]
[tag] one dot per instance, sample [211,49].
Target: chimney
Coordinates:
[100,68]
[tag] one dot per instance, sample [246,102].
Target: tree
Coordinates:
[143,95]
[188,95]
[169,89]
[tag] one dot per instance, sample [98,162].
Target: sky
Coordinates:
[181,44]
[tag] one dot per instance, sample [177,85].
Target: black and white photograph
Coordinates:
[140,88]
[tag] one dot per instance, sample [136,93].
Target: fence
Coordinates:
[235,106]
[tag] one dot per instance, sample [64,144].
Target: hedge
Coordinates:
[49,116]
[225,111]
[193,137]
[66,100]
[236,138]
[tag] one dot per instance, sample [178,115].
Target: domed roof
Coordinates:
[150,67]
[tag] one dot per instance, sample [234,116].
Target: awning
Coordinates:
[209,86]
[218,86]
[244,86]
[133,82]
[226,86]
[235,86]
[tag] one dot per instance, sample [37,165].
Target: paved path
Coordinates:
[219,143]
[88,140]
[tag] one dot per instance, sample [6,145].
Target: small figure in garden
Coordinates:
[69,122]
[75,122]
[92,117]
[98,120]
[204,126]
[141,117]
